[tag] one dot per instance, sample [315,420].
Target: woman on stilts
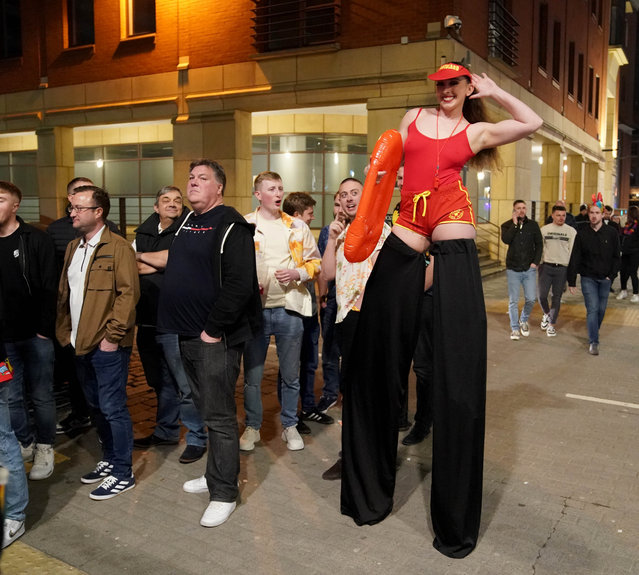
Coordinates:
[435,214]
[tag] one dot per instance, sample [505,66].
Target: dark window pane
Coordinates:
[260,144]
[88,154]
[80,22]
[157,150]
[10,29]
[142,17]
[121,152]
[28,158]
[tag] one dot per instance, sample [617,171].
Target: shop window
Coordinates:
[10,29]
[131,174]
[312,163]
[21,169]
[80,26]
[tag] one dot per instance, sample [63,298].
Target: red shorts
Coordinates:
[422,212]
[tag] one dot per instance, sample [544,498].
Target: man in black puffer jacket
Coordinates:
[160,352]
[525,246]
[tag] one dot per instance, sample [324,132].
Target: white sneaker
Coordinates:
[514,334]
[249,438]
[524,329]
[12,530]
[28,452]
[217,513]
[292,438]
[545,322]
[635,298]
[550,332]
[623,294]
[43,462]
[198,485]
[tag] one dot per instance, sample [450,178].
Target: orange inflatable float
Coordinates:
[366,229]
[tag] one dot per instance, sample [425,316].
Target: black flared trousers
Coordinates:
[377,378]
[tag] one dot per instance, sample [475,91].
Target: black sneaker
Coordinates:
[151,440]
[192,453]
[302,428]
[111,487]
[102,471]
[72,422]
[324,404]
[316,416]
[416,435]
[334,472]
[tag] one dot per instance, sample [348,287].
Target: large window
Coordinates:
[571,69]
[288,24]
[80,22]
[312,163]
[10,29]
[140,17]
[131,173]
[556,51]
[21,169]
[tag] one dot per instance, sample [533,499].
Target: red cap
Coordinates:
[448,71]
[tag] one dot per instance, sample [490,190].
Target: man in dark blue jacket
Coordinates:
[211,299]
[525,246]
[28,287]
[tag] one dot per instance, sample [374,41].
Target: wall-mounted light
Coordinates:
[100,163]
[540,159]
[480,176]
[565,168]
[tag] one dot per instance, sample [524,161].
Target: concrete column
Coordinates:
[592,183]
[224,137]
[55,169]
[513,181]
[574,183]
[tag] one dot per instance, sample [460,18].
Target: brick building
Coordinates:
[127,92]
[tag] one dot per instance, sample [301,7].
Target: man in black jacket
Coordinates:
[525,246]
[28,282]
[160,352]
[595,257]
[211,299]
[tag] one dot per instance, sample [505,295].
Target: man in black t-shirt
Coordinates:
[211,299]
[28,282]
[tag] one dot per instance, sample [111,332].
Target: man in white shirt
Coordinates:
[558,239]
[286,257]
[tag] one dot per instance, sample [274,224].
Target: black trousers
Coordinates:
[386,336]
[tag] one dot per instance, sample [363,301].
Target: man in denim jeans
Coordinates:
[98,291]
[287,257]
[210,298]
[28,279]
[596,258]
[525,246]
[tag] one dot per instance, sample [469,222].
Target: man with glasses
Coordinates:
[98,291]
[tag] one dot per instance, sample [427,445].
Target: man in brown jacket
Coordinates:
[96,315]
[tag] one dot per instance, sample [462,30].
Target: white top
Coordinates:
[558,242]
[76,275]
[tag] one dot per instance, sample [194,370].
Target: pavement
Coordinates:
[561,479]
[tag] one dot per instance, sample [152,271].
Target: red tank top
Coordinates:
[420,158]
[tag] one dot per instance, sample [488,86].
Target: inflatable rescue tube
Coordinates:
[366,229]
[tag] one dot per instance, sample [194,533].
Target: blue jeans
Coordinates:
[596,299]
[16,495]
[160,355]
[330,351]
[103,378]
[212,370]
[32,361]
[308,364]
[288,328]
[528,280]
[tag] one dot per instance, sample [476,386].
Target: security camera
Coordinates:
[452,23]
